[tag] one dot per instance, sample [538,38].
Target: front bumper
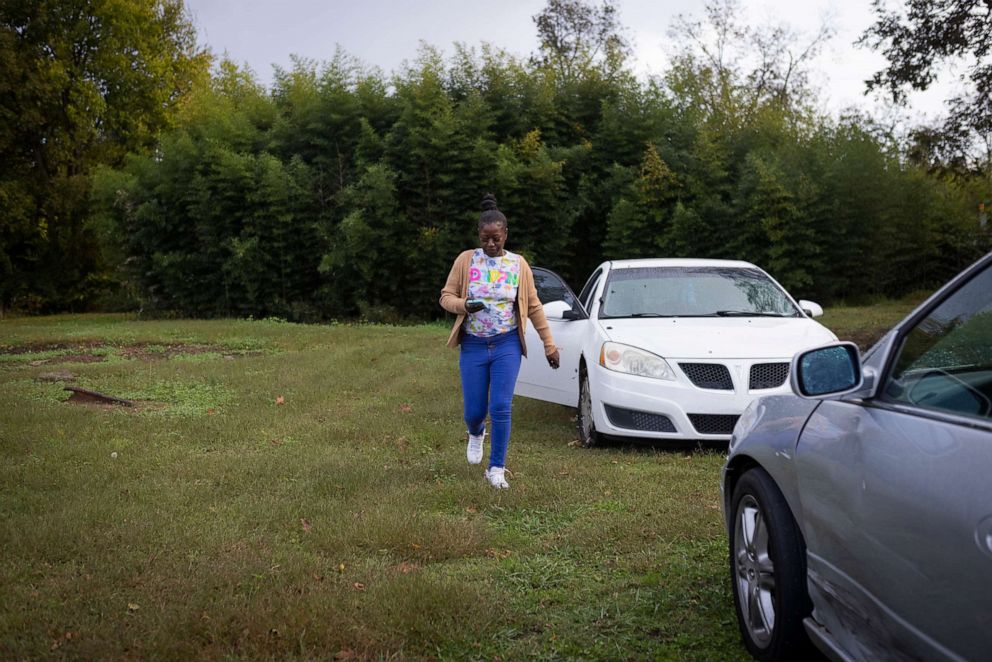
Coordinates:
[694,413]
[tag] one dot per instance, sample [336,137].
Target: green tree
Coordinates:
[84,82]
[638,225]
[577,37]
[921,37]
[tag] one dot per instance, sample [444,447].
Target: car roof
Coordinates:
[680,262]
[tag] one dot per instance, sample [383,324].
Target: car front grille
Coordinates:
[768,375]
[708,375]
[714,423]
[638,420]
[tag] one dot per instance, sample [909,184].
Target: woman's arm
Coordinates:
[451,293]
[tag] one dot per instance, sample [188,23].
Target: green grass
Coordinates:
[343,521]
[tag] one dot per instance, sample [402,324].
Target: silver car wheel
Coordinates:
[755,572]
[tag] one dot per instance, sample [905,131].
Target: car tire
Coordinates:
[768,570]
[584,422]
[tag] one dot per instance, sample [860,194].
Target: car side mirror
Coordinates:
[571,314]
[557,310]
[825,372]
[811,308]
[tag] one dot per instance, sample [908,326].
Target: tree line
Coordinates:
[341,192]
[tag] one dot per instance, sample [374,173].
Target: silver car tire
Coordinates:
[768,570]
[584,423]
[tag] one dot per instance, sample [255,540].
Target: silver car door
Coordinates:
[897,493]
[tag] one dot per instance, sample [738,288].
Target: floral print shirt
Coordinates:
[494,280]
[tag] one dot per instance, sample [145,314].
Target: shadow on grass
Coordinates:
[681,446]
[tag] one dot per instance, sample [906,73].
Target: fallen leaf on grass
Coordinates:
[306,524]
[38,362]
[341,568]
[63,639]
[280,400]
[498,553]
[574,443]
[211,411]
[133,606]
[414,545]
[276,442]
[471,509]
[406,567]
[346,654]
[358,586]
[406,409]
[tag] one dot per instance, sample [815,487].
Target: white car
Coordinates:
[667,348]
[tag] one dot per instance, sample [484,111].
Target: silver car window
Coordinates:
[945,361]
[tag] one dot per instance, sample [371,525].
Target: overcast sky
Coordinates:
[384,33]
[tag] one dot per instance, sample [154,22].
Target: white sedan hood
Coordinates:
[719,337]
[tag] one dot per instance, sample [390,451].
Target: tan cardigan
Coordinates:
[455,294]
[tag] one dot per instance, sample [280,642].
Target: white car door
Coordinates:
[568,322]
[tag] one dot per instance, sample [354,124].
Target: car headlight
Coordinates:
[634,361]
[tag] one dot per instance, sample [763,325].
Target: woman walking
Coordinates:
[492,292]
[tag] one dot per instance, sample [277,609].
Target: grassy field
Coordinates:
[301,491]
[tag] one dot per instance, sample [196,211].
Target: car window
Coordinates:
[945,360]
[693,292]
[585,296]
[550,287]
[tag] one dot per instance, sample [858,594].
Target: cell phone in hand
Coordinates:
[477,304]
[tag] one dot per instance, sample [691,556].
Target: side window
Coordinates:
[945,361]
[585,297]
[550,287]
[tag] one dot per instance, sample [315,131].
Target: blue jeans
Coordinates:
[489,368]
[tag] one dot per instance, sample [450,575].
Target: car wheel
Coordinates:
[584,422]
[768,570]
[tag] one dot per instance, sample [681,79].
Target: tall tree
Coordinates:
[84,82]
[921,37]
[577,37]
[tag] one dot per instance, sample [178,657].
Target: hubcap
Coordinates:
[755,573]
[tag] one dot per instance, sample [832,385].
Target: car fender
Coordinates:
[767,435]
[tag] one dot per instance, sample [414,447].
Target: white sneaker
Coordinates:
[474,449]
[496,478]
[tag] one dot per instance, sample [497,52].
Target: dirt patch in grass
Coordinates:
[150,352]
[78,358]
[96,352]
[136,407]
[34,348]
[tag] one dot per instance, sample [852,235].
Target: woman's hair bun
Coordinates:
[489,202]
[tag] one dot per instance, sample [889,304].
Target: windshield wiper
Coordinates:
[747,313]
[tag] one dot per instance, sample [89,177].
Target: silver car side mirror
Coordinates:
[827,372]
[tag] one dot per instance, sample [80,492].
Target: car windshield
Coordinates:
[693,292]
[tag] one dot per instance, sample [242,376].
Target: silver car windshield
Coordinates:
[693,292]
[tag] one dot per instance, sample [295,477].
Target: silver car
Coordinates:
[859,510]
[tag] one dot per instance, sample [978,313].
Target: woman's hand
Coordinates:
[474,305]
[553,359]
